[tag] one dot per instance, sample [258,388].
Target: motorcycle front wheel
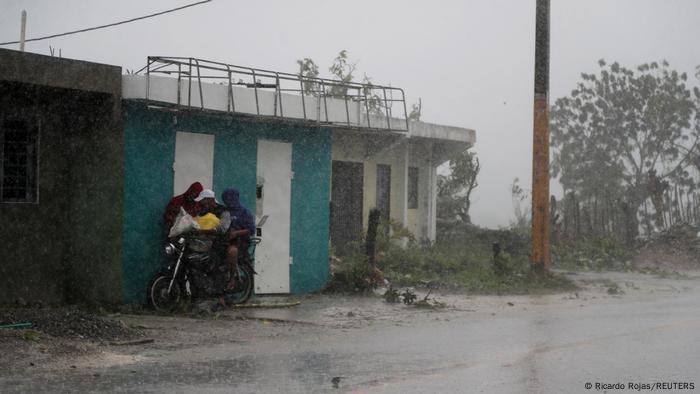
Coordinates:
[160,298]
[244,286]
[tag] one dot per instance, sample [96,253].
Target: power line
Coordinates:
[108,25]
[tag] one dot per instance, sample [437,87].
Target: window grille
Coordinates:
[19,156]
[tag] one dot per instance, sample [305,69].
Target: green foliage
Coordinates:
[430,303]
[392,295]
[520,197]
[343,70]
[409,297]
[625,134]
[455,189]
[389,233]
[309,69]
[31,335]
[463,260]
[416,110]
[353,274]
[592,254]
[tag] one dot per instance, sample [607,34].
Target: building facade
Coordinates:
[91,157]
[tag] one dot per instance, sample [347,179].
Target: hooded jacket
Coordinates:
[184,200]
[241,217]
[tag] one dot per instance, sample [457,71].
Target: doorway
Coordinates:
[346,202]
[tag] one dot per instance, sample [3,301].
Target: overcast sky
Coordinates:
[471,62]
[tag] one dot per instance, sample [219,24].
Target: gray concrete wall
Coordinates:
[68,246]
[58,72]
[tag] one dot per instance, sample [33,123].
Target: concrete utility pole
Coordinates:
[539,258]
[23,30]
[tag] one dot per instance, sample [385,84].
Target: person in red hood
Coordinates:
[186,201]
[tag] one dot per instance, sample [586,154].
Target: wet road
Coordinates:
[548,344]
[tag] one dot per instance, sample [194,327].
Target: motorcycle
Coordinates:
[196,268]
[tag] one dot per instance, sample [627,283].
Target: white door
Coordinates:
[272,258]
[194,161]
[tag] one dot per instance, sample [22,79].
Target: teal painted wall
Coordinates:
[148,184]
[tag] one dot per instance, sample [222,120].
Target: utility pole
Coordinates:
[23,30]
[539,258]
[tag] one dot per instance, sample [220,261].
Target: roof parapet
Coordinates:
[191,83]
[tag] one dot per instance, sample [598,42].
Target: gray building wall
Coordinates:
[66,247]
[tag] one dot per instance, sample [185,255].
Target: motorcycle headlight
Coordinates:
[170,249]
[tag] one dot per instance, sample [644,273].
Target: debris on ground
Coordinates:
[69,322]
[267,305]
[131,343]
[678,246]
[409,296]
[428,302]
[391,295]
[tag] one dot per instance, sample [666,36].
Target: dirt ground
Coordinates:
[131,339]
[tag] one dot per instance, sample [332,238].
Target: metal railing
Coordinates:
[367,106]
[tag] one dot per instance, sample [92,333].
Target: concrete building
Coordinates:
[313,163]
[61,166]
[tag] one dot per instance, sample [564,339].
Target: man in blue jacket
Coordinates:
[241,228]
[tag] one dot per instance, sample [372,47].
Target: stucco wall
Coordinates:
[398,152]
[149,156]
[66,247]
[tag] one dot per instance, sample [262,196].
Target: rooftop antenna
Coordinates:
[23,30]
[52,51]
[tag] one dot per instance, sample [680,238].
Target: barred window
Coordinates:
[19,148]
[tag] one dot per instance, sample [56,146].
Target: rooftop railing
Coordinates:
[206,84]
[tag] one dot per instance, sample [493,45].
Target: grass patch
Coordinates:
[461,261]
[592,254]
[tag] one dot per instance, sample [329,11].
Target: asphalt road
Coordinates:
[649,335]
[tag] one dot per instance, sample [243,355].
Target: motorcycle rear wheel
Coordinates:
[158,296]
[244,287]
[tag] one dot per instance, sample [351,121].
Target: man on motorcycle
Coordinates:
[208,204]
[186,200]
[236,223]
[240,229]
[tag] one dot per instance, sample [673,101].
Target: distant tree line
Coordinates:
[625,148]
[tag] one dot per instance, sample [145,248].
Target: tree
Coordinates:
[623,135]
[519,196]
[455,189]
[343,70]
[416,111]
[308,69]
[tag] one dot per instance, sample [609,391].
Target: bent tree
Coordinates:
[623,138]
[455,189]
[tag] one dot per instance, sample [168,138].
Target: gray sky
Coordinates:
[471,62]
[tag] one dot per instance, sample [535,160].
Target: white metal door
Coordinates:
[272,257]
[194,161]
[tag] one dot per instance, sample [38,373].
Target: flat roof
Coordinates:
[58,72]
[328,111]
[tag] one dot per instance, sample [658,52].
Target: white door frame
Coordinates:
[273,255]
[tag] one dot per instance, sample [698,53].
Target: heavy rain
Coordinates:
[497,196]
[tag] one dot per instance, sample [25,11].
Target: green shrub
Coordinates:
[591,254]
[461,259]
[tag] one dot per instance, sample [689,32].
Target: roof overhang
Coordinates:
[444,141]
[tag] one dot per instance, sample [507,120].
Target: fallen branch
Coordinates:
[136,342]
